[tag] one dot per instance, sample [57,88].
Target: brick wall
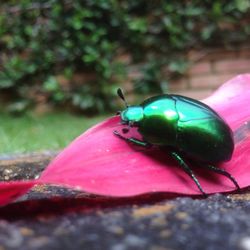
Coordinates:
[208,70]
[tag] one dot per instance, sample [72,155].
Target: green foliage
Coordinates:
[44,44]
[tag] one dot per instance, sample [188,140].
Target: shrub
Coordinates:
[75,53]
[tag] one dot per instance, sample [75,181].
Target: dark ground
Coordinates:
[78,221]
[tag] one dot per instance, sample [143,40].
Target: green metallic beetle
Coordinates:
[186,127]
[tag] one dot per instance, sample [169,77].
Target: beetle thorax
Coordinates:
[132,114]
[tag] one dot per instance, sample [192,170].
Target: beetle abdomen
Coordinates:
[202,134]
[206,140]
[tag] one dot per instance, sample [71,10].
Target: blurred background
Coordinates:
[61,61]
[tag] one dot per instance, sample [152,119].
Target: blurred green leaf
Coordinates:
[137,24]
[51,84]
[243,5]
[18,107]
[179,66]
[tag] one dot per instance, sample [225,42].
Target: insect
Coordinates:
[185,127]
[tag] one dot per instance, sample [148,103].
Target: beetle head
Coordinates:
[132,114]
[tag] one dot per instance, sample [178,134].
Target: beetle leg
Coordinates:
[133,140]
[188,170]
[223,172]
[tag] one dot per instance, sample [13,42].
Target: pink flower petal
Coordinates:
[98,162]
[10,191]
[231,100]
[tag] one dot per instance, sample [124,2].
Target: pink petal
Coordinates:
[231,100]
[10,191]
[98,162]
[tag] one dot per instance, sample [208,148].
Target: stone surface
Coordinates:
[78,221]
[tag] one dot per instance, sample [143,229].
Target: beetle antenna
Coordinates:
[121,95]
